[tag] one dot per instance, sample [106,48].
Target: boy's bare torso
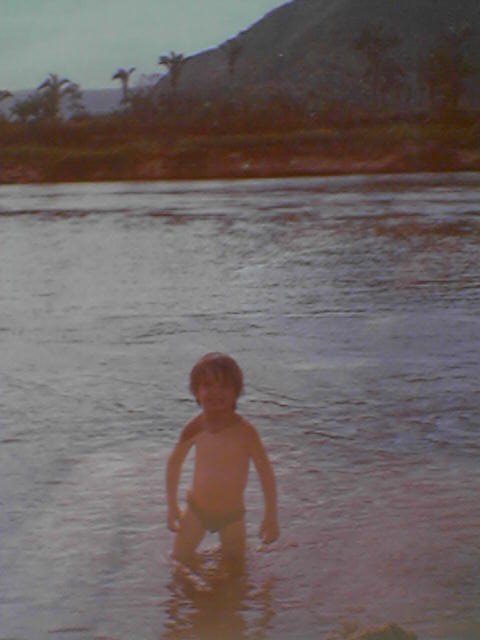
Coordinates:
[224,444]
[221,463]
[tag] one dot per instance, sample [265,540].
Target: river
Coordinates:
[352,305]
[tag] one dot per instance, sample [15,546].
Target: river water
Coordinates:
[353,306]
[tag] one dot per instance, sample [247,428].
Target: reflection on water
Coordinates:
[353,306]
[232,608]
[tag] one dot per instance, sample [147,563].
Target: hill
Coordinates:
[307,48]
[310,52]
[315,87]
[96,101]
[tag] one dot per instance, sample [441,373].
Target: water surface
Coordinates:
[352,305]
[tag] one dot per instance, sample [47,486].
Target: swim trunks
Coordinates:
[214,522]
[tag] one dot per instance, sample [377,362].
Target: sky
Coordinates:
[86,41]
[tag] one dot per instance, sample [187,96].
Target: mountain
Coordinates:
[99,101]
[96,101]
[307,46]
[305,50]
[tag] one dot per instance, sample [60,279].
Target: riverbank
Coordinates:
[72,152]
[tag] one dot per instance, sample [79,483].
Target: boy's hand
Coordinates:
[173,519]
[269,531]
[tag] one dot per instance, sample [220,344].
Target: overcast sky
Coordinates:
[88,40]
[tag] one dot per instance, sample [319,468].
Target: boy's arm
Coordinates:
[174,467]
[269,529]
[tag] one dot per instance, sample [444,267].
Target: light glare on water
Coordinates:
[352,305]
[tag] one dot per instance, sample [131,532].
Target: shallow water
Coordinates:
[352,305]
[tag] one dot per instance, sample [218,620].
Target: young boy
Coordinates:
[224,442]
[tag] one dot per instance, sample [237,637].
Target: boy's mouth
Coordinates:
[216,402]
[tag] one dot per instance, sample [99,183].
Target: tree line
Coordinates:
[442,75]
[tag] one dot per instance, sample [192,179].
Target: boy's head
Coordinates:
[220,367]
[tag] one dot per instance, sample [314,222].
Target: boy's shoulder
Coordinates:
[197,425]
[247,427]
[192,429]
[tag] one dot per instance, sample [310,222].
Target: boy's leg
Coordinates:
[188,538]
[232,538]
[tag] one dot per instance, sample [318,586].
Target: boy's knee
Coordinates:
[178,556]
[187,559]
[181,553]
[233,554]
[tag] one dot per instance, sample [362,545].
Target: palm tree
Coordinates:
[4,95]
[382,73]
[30,108]
[444,69]
[53,89]
[124,76]
[75,99]
[232,50]
[174,63]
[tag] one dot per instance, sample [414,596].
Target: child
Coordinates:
[225,442]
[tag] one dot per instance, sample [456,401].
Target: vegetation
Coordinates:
[174,63]
[46,102]
[160,132]
[443,72]
[4,95]
[232,50]
[383,75]
[124,76]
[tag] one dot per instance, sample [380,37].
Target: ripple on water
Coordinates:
[352,305]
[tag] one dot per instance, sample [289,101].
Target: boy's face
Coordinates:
[215,395]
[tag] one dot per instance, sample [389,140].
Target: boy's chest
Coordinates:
[221,446]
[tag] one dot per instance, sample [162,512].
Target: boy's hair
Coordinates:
[220,366]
